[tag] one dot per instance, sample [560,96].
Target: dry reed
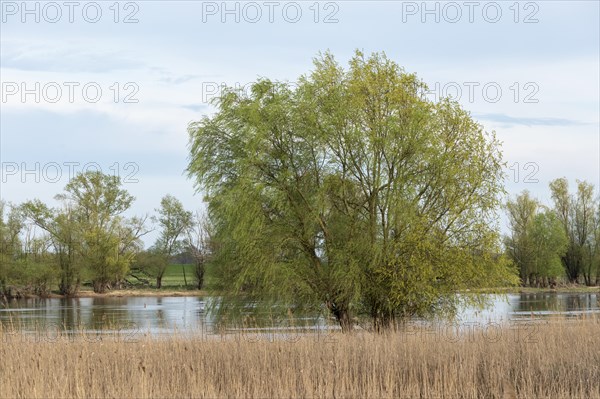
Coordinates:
[556,359]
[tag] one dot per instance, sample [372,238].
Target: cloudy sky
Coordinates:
[114,85]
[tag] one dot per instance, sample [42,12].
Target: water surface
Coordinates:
[166,315]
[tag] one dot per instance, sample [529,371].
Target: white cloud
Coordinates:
[174,60]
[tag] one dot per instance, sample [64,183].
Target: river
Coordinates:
[138,316]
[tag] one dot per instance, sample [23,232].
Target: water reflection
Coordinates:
[570,305]
[158,315]
[111,313]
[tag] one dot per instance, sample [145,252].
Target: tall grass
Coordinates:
[558,359]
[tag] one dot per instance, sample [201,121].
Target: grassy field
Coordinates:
[87,292]
[173,276]
[173,284]
[560,359]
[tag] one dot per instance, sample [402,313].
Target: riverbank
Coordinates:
[552,359]
[566,289]
[165,292]
[133,292]
[136,292]
[87,292]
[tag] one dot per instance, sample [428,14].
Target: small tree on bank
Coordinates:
[61,225]
[174,222]
[99,201]
[578,215]
[537,241]
[11,226]
[88,232]
[201,246]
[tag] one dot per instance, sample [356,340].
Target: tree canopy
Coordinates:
[350,191]
[537,241]
[88,232]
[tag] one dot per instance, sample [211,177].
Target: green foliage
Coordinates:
[538,242]
[201,245]
[580,219]
[174,223]
[26,261]
[98,201]
[350,191]
[152,263]
[88,236]
[64,236]
[11,225]
[37,272]
[521,213]
[549,244]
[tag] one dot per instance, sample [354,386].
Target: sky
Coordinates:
[112,86]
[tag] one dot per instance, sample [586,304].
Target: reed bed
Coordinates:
[554,359]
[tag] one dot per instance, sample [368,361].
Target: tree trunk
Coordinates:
[571,266]
[342,315]
[67,288]
[67,285]
[3,298]
[383,318]
[199,276]
[101,286]
[383,322]
[345,321]
[158,282]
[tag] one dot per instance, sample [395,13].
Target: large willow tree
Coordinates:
[349,191]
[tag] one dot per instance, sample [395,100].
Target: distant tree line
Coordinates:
[86,238]
[550,244]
